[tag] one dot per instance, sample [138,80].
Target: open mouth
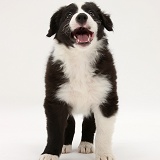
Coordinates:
[82,35]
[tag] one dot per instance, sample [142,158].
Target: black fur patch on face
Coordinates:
[103,20]
[59,24]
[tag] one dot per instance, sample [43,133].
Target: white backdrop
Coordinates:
[23,53]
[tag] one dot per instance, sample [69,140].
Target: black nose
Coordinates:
[82,18]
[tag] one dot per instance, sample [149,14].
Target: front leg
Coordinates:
[56,114]
[103,139]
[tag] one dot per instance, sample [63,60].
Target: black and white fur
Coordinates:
[80,78]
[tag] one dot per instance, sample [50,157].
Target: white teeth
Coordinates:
[89,38]
[77,40]
[75,37]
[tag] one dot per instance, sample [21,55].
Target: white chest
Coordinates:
[84,90]
[83,96]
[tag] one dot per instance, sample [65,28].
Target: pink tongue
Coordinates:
[82,38]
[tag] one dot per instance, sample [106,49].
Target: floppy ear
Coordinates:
[106,21]
[54,22]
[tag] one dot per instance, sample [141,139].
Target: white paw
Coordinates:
[66,149]
[48,157]
[105,157]
[85,147]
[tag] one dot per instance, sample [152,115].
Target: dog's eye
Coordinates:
[91,13]
[69,15]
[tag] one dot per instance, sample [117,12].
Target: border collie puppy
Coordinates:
[80,78]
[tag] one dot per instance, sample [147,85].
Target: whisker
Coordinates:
[99,22]
[66,29]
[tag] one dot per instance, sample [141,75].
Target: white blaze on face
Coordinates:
[90,24]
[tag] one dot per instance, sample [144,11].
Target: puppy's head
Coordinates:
[79,25]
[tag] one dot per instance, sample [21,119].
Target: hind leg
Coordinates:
[88,130]
[69,133]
